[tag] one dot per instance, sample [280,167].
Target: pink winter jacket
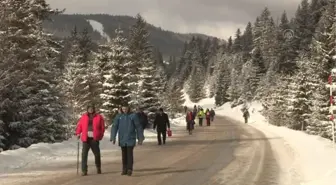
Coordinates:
[98,127]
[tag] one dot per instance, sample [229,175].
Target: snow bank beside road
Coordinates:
[44,153]
[314,156]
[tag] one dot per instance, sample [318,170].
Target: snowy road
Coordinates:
[227,153]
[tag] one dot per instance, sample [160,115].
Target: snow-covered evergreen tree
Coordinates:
[141,52]
[234,89]
[299,91]
[116,84]
[76,77]
[323,49]
[148,89]
[196,80]
[31,112]
[175,97]
[222,85]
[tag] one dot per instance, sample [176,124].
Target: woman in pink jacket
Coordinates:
[90,129]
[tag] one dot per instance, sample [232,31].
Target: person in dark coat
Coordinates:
[161,123]
[185,109]
[90,129]
[194,113]
[128,128]
[142,118]
[246,115]
[212,114]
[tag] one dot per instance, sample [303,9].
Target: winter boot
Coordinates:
[129,172]
[99,171]
[84,173]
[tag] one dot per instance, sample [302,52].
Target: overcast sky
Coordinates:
[219,18]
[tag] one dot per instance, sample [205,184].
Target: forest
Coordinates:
[47,81]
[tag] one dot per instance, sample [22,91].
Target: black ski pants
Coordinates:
[94,146]
[127,158]
[164,136]
[200,121]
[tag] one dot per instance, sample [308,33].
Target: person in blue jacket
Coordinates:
[128,127]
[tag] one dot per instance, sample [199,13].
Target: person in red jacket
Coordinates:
[190,122]
[207,117]
[90,129]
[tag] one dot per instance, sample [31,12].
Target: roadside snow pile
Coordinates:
[45,153]
[315,155]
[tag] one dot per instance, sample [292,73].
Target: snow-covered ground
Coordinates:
[206,103]
[51,154]
[315,157]
[97,26]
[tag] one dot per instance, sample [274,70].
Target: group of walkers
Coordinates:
[128,125]
[198,112]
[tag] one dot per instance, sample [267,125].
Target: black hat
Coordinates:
[161,109]
[91,106]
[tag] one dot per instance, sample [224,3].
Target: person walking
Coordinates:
[143,119]
[190,122]
[128,128]
[195,112]
[207,117]
[212,114]
[161,123]
[201,116]
[246,115]
[90,129]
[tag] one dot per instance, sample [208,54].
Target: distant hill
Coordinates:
[169,43]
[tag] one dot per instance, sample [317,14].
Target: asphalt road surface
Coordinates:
[227,152]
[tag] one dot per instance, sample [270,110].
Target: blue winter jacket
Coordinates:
[128,128]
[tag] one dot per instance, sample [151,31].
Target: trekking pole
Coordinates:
[77,156]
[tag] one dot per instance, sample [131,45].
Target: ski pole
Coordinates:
[77,156]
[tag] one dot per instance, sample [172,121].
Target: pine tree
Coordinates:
[234,90]
[285,50]
[229,45]
[175,97]
[247,41]
[302,29]
[116,86]
[323,50]
[76,78]
[196,80]
[246,94]
[149,81]
[237,43]
[299,92]
[141,52]
[31,112]
[222,85]
[161,85]
[257,70]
